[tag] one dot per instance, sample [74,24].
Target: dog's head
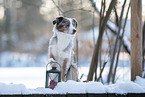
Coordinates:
[65,25]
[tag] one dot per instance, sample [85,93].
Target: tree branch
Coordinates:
[108,26]
[116,42]
[58,7]
[116,65]
[94,61]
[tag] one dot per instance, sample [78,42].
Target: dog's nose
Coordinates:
[74,31]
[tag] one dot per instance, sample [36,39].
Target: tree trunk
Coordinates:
[136,38]
[143,35]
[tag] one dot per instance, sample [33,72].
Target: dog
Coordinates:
[62,48]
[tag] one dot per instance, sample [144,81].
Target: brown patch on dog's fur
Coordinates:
[64,67]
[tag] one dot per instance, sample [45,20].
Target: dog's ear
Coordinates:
[75,23]
[57,20]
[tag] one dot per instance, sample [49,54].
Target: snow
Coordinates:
[73,87]
[21,89]
[12,88]
[140,81]
[31,77]
[113,89]
[127,87]
[95,87]
[131,87]
[80,87]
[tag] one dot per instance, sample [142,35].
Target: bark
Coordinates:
[143,46]
[136,39]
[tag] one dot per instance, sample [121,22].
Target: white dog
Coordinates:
[61,47]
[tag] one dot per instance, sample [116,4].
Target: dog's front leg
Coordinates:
[50,54]
[52,44]
[63,76]
[72,71]
[52,48]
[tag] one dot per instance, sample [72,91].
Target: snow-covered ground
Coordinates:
[31,80]
[33,77]
[29,70]
[12,63]
[78,87]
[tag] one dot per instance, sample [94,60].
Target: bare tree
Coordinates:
[94,62]
[120,44]
[116,42]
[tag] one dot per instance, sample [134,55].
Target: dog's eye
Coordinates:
[74,24]
[67,24]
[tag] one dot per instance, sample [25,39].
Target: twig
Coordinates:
[113,79]
[115,47]
[81,9]
[94,62]
[35,5]
[102,17]
[94,6]
[117,21]
[102,71]
[108,26]
[115,33]
[93,25]
[58,7]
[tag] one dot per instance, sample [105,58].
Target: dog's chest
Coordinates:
[63,41]
[64,45]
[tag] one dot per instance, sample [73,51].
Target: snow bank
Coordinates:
[21,89]
[80,87]
[70,87]
[131,87]
[95,87]
[138,86]
[12,89]
[140,81]
[74,87]
[113,89]
[41,91]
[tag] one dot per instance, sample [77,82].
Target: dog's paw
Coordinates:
[51,60]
